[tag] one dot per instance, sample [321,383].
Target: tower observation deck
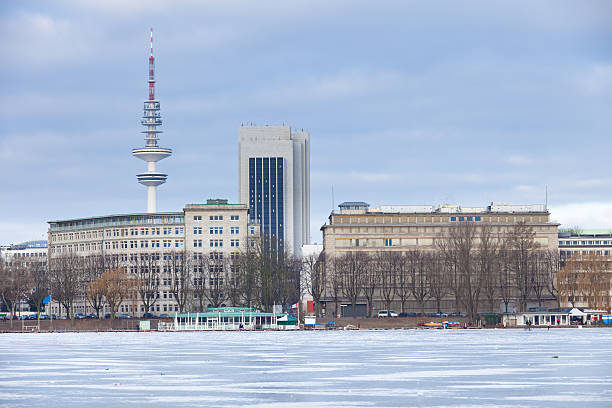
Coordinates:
[151,152]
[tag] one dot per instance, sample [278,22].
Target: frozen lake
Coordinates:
[424,368]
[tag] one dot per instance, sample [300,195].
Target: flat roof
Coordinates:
[117,215]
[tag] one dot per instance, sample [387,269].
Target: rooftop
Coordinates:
[29,245]
[494,207]
[585,233]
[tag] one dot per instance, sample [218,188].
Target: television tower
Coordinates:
[151,153]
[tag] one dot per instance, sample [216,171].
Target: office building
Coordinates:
[591,241]
[274,181]
[27,255]
[357,228]
[216,229]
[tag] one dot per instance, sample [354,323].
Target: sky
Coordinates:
[406,102]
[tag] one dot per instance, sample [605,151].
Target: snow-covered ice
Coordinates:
[425,368]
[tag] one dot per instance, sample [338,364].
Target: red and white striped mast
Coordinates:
[151,72]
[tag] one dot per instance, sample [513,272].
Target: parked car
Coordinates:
[91,316]
[125,316]
[44,316]
[387,313]
[79,316]
[164,316]
[149,316]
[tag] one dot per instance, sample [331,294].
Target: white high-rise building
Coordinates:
[274,180]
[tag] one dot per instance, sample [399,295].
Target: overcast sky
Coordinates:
[406,103]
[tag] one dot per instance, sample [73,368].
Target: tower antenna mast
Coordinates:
[151,72]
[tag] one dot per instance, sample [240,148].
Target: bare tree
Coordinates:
[38,279]
[370,281]
[352,270]
[215,292]
[289,271]
[146,272]
[402,280]
[315,279]
[266,256]
[386,262]
[66,280]
[487,257]
[521,246]
[93,269]
[505,279]
[553,266]
[14,283]
[540,275]
[200,275]
[595,281]
[178,266]
[117,285]
[232,280]
[567,280]
[451,262]
[246,277]
[335,281]
[416,262]
[459,249]
[436,279]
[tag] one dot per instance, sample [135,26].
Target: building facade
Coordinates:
[274,181]
[594,241]
[357,228]
[215,230]
[585,278]
[29,254]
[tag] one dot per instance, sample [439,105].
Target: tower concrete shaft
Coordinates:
[151,153]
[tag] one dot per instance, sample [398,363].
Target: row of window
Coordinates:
[197,243]
[598,252]
[466,218]
[215,255]
[216,218]
[144,231]
[215,230]
[155,243]
[427,219]
[596,242]
[117,232]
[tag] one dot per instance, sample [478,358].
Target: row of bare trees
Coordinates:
[23,279]
[584,280]
[475,265]
[258,277]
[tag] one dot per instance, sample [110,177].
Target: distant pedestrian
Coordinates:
[548,327]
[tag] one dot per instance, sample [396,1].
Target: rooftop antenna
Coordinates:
[333,202]
[546,199]
[151,72]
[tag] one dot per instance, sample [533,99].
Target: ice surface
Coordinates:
[424,368]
